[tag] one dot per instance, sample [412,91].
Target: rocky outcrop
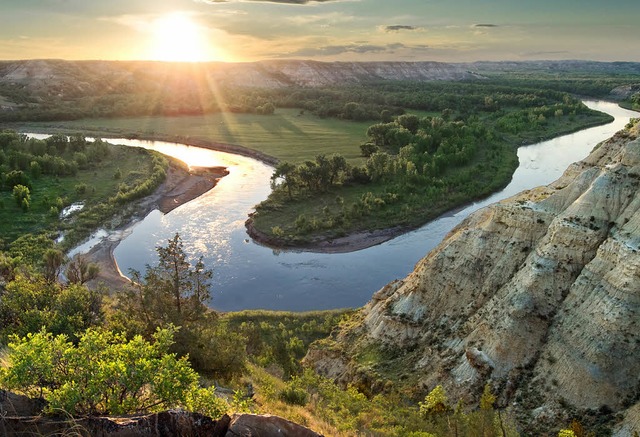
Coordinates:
[254,425]
[172,423]
[538,295]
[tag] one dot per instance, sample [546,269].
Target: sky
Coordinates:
[325,30]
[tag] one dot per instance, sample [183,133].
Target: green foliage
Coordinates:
[31,303]
[170,293]
[435,403]
[30,248]
[61,175]
[79,270]
[279,340]
[17,178]
[266,109]
[293,394]
[566,433]
[488,399]
[206,402]
[368,149]
[81,188]
[103,374]
[241,403]
[21,194]
[175,293]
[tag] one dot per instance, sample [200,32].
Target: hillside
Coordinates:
[89,76]
[538,295]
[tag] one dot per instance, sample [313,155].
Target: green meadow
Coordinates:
[289,134]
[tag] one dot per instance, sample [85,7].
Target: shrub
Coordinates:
[292,394]
[81,188]
[104,373]
[22,194]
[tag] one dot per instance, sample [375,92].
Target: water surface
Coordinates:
[247,275]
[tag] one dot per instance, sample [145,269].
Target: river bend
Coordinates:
[250,276]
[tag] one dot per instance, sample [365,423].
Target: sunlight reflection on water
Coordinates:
[247,275]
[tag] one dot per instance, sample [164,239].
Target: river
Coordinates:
[251,276]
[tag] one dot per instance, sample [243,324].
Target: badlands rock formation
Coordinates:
[72,78]
[538,295]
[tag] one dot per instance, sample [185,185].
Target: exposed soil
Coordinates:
[179,187]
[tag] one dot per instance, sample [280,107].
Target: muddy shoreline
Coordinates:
[349,243]
[179,187]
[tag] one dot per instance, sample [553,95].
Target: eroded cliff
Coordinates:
[538,295]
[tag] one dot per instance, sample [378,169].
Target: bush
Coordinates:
[22,194]
[103,374]
[293,394]
[81,188]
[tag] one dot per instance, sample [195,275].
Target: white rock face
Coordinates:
[538,294]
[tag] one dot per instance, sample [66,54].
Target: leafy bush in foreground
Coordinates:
[105,374]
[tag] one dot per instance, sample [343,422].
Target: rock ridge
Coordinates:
[538,295]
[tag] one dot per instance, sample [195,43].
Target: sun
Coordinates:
[176,37]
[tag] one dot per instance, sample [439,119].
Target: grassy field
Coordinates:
[288,134]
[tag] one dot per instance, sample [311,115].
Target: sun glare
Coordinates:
[178,38]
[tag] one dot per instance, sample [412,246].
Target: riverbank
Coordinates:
[349,243]
[179,187]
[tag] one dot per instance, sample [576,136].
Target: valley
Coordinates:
[525,312]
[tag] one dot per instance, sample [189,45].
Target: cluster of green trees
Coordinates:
[43,176]
[139,349]
[416,166]
[315,176]
[84,355]
[633,102]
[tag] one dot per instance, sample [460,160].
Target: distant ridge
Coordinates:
[262,74]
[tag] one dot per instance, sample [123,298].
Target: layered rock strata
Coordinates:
[538,295]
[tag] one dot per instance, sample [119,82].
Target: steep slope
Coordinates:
[538,295]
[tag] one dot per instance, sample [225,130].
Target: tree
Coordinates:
[377,132]
[20,193]
[337,166]
[171,292]
[174,293]
[487,399]
[378,166]
[435,403]
[79,270]
[53,262]
[17,177]
[368,149]
[410,122]
[286,172]
[29,303]
[57,143]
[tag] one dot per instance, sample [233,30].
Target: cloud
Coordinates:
[331,18]
[357,48]
[485,25]
[398,28]
[286,2]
